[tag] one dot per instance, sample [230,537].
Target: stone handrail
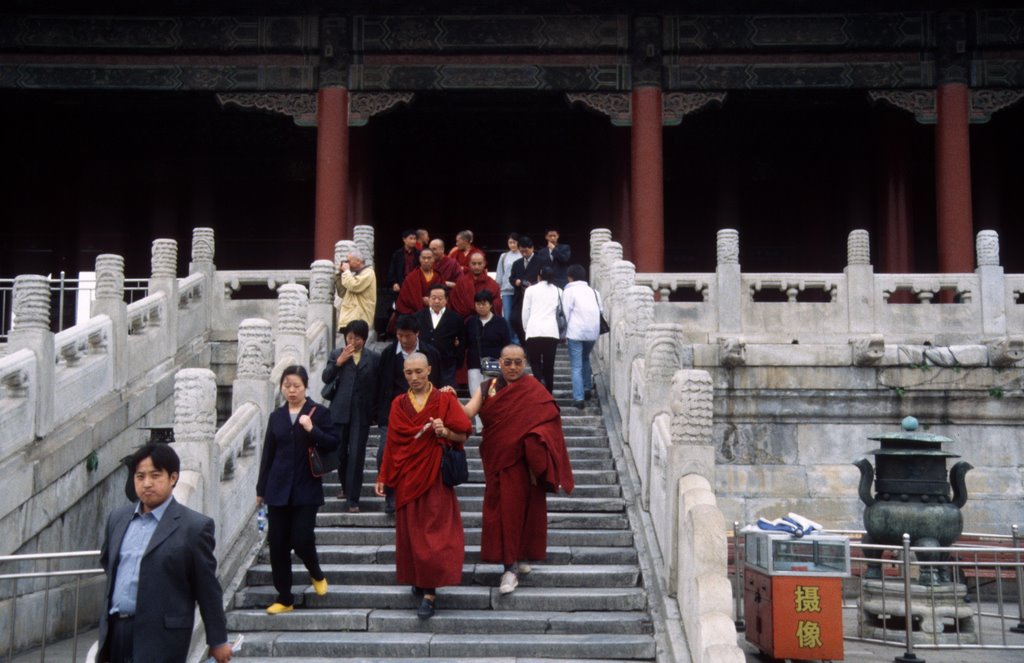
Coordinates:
[793,284]
[85,367]
[926,287]
[665,284]
[17,402]
[231,281]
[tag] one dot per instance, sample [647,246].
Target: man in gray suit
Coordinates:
[158,556]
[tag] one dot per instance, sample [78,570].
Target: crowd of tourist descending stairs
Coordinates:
[585,602]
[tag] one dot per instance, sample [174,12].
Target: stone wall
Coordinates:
[802,369]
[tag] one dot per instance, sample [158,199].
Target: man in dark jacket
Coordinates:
[559,255]
[523,274]
[392,381]
[405,259]
[355,369]
[443,328]
[159,560]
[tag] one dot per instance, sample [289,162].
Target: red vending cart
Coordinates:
[793,594]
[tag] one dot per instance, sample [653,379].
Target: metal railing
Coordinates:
[47,575]
[978,609]
[68,299]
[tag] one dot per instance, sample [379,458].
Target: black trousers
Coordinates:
[120,639]
[291,528]
[353,458]
[541,353]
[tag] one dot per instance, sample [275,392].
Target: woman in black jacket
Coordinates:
[486,334]
[287,486]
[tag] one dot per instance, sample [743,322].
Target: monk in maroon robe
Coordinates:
[464,293]
[463,250]
[429,539]
[443,265]
[412,297]
[524,458]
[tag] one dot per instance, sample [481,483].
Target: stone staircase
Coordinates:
[586,602]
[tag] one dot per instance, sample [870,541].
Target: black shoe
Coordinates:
[580,405]
[426,609]
[417,592]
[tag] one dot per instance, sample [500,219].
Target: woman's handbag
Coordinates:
[330,389]
[321,463]
[489,366]
[563,323]
[454,468]
[602,327]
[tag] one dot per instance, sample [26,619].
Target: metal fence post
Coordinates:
[908,656]
[1019,628]
[741,625]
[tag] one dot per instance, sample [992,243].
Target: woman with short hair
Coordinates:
[287,486]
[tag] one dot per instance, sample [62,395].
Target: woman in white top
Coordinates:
[540,301]
[503,271]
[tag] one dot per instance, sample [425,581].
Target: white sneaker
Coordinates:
[524,568]
[509,582]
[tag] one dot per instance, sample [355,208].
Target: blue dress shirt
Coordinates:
[133,547]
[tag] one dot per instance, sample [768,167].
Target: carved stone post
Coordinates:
[31,330]
[689,451]
[363,237]
[164,278]
[341,250]
[627,343]
[860,283]
[292,322]
[993,284]
[255,362]
[321,293]
[195,427]
[619,276]
[598,238]
[665,354]
[203,246]
[610,252]
[728,291]
[110,302]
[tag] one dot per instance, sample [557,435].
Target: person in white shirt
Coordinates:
[540,301]
[582,307]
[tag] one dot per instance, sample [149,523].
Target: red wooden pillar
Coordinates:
[955,227]
[331,171]
[647,202]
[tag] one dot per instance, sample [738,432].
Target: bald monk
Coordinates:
[415,290]
[524,458]
[463,295]
[429,539]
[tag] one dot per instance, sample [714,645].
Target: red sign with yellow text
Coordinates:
[807,616]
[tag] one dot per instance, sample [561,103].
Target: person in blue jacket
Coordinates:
[287,486]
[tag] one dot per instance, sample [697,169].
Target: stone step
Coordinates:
[474,463]
[385,554]
[474,646]
[445,621]
[556,520]
[367,497]
[385,535]
[464,597]
[476,475]
[447,659]
[559,575]
[471,503]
